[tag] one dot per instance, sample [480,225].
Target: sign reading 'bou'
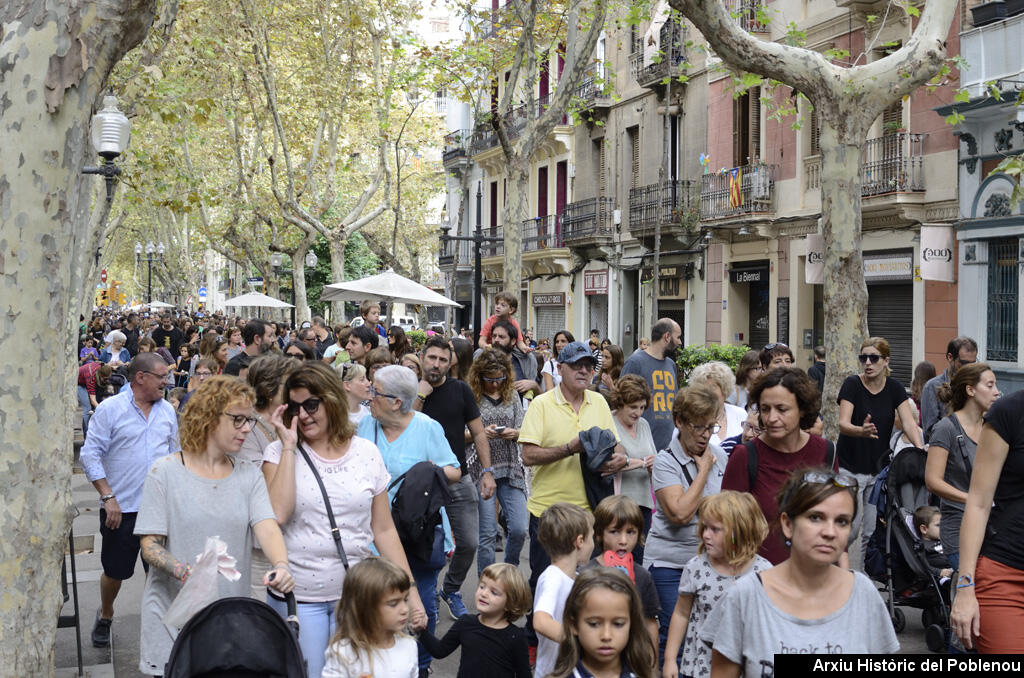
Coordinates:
[814,268]
[937,253]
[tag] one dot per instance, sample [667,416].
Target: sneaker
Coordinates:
[456,608]
[101,631]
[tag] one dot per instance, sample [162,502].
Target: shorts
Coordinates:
[120,547]
[1000,592]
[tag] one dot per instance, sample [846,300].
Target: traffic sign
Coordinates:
[189,302]
[202,292]
[103,275]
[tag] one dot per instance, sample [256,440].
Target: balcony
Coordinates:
[493,249]
[749,14]
[456,148]
[484,136]
[588,222]
[448,250]
[542,233]
[667,204]
[893,163]
[671,58]
[594,91]
[721,198]
[992,52]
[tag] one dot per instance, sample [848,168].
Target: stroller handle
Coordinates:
[293,614]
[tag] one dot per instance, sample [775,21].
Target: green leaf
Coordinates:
[962,96]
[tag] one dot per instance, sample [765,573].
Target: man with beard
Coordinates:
[127,433]
[258,337]
[167,335]
[450,402]
[360,342]
[524,366]
[656,364]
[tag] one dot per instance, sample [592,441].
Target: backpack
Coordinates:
[416,509]
[830,460]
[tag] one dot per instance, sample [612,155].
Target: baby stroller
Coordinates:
[238,638]
[896,554]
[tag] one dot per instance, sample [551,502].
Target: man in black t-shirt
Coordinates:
[451,403]
[131,333]
[168,336]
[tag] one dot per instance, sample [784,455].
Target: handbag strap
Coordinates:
[335,532]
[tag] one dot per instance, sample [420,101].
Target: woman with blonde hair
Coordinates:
[202,492]
[214,347]
[317,444]
[357,390]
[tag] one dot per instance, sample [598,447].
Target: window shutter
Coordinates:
[815,133]
[755,124]
[634,142]
[601,167]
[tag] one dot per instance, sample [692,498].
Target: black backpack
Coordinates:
[416,509]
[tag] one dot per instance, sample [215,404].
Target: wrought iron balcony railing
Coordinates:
[588,218]
[893,163]
[741,190]
[664,203]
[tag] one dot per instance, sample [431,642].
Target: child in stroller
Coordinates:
[927,519]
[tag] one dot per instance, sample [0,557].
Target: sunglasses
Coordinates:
[240,420]
[869,358]
[311,405]
[298,356]
[769,347]
[495,380]
[841,479]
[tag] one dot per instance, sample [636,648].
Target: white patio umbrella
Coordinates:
[387,286]
[160,304]
[255,299]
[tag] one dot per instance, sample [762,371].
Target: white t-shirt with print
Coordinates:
[351,482]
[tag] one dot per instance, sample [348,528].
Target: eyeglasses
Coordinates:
[204,373]
[710,429]
[374,393]
[240,420]
[495,380]
[841,479]
[869,358]
[753,428]
[161,377]
[311,405]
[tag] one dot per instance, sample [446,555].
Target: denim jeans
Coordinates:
[463,514]
[539,561]
[317,622]
[666,581]
[864,524]
[513,503]
[83,400]
[426,586]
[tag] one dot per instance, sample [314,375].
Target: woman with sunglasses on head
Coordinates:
[406,437]
[787,403]
[214,347]
[357,390]
[398,342]
[868,405]
[805,604]
[198,493]
[313,423]
[501,413]
[689,469]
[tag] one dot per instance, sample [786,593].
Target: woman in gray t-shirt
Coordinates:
[805,604]
[200,493]
[631,396]
[953,444]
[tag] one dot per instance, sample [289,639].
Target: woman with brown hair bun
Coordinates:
[953,446]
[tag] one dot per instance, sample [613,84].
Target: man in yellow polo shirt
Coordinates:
[551,443]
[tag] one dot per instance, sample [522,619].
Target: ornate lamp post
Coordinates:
[153,253]
[276,259]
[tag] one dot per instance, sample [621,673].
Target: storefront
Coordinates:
[890,279]
[673,288]
[595,288]
[749,287]
[549,313]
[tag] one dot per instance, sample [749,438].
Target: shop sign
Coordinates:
[937,253]
[672,288]
[782,320]
[549,299]
[595,282]
[749,275]
[814,267]
[889,267]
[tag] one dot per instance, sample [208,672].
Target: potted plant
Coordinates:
[988,12]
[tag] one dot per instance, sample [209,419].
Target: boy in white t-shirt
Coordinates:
[566,532]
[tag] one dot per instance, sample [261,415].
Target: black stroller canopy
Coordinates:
[236,638]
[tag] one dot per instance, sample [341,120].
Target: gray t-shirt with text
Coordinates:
[660,375]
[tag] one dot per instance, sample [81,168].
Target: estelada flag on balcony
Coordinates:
[735,187]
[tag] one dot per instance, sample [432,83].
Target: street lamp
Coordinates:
[110,133]
[478,239]
[153,253]
[311,259]
[276,259]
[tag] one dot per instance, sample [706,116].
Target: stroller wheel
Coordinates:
[932,615]
[899,620]
[935,638]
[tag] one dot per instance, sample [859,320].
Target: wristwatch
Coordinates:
[105,498]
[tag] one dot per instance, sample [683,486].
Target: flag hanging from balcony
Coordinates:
[735,187]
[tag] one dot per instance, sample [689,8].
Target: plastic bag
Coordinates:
[200,589]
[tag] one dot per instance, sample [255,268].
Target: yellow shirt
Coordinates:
[551,422]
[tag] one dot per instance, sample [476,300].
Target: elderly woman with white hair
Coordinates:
[720,378]
[116,354]
[406,437]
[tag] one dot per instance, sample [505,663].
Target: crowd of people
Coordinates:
[670,529]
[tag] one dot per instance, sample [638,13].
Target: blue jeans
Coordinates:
[666,581]
[426,586]
[317,622]
[83,400]
[513,503]
[462,514]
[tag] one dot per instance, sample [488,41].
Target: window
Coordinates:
[815,133]
[634,148]
[439,25]
[1003,284]
[746,127]
[440,101]
[599,167]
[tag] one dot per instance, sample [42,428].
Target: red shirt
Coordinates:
[773,469]
[87,376]
[485,331]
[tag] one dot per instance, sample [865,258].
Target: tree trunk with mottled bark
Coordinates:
[55,58]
